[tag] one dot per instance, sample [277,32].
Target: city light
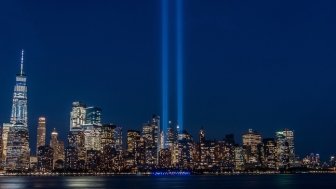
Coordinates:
[94,147]
[179,63]
[165,62]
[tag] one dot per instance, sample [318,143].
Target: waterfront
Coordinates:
[287,181]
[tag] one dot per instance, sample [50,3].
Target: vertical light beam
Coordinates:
[164,61]
[179,62]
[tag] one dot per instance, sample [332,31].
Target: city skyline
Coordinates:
[97,147]
[226,94]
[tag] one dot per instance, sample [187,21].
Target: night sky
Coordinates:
[266,65]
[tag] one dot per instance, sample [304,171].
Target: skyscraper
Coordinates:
[132,139]
[17,150]
[93,116]
[41,132]
[118,138]
[285,148]
[57,146]
[108,136]
[19,107]
[251,142]
[45,158]
[150,132]
[76,139]
[5,131]
[269,152]
[92,137]
[77,115]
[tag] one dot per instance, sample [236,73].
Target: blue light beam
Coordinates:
[179,62]
[164,61]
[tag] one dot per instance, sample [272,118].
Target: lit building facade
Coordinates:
[239,160]
[45,158]
[77,115]
[76,139]
[5,132]
[41,132]
[108,135]
[93,116]
[269,153]
[184,151]
[92,137]
[133,138]
[57,146]
[17,150]
[251,143]
[285,149]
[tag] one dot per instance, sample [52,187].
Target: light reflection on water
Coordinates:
[85,182]
[13,183]
[285,181]
[171,182]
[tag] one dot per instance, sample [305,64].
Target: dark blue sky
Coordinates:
[265,65]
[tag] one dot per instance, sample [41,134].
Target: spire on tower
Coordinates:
[22,52]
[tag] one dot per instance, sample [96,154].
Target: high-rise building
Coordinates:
[157,132]
[77,115]
[17,150]
[5,131]
[118,138]
[251,142]
[269,153]
[93,116]
[184,151]
[133,138]
[33,163]
[108,136]
[54,139]
[224,153]
[165,160]
[332,161]
[41,132]
[142,151]
[206,151]
[71,158]
[285,149]
[76,139]
[239,160]
[57,146]
[19,107]
[171,136]
[93,160]
[151,134]
[92,137]
[45,158]
[1,148]
[201,142]
[148,134]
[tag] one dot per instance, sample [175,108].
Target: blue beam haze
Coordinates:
[165,62]
[179,62]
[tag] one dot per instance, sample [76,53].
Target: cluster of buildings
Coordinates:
[93,146]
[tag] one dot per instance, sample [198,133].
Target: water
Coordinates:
[327,181]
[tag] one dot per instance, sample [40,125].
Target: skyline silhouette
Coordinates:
[247,65]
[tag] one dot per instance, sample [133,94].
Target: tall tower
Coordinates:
[17,150]
[54,139]
[57,146]
[285,148]
[77,115]
[19,107]
[41,132]
[93,116]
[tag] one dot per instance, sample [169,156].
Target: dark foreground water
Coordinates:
[327,181]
